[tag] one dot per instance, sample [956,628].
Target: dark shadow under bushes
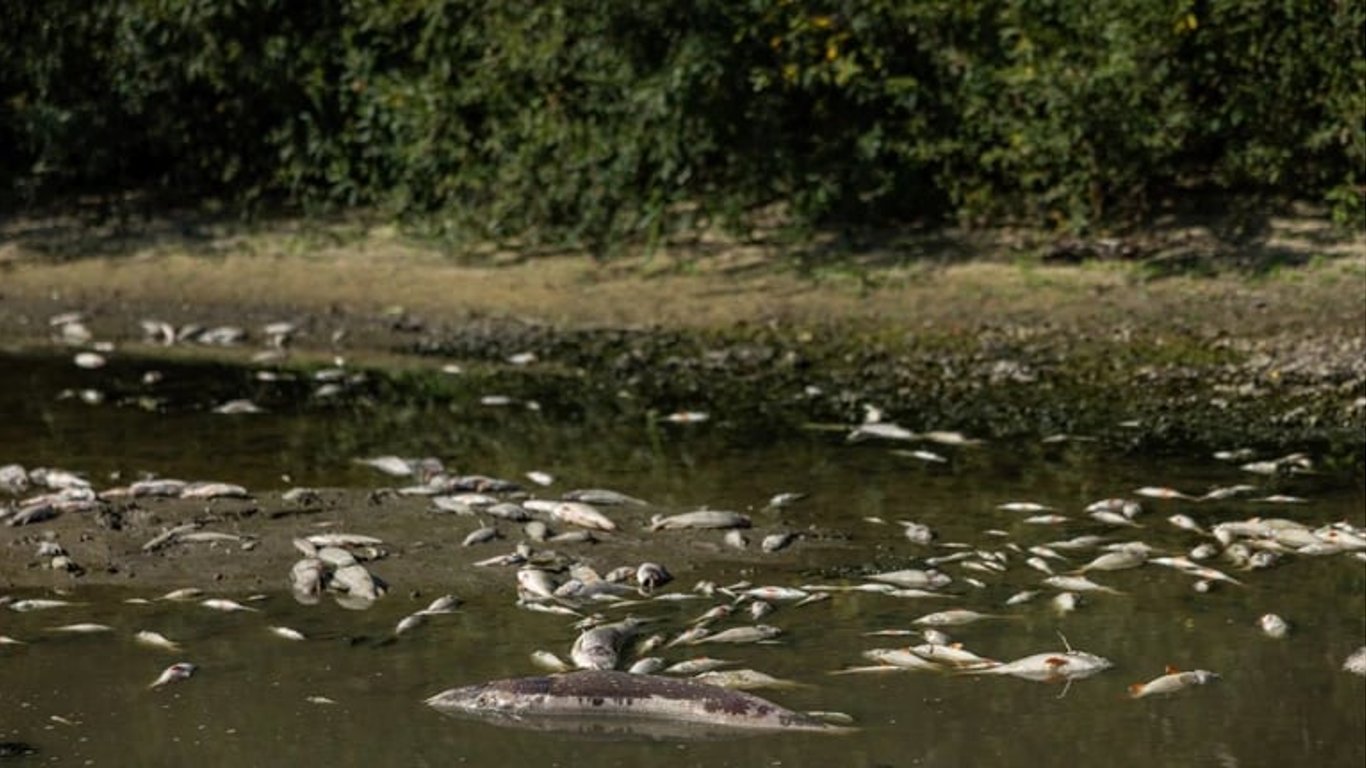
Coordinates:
[587,123]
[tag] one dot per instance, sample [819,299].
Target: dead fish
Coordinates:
[686,417]
[697,665]
[287,633]
[1185,565]
[82,629]
[1157,492]
[1113,518]
[573,537]
[443,604]
[1273,626]
[1125,507]
[356,582]
[734,538]
[882,430]
[536,582]
[917,533]
[1186,523]
[410,622]
[643,697]
[156,640]
[1171,682]
[1356,663]
[647,666]
[1023,506]
[952,655]
[943,437]
[225,605]
[201,537]
[743,679]
[38,604]
[900,657]
[1050,667]
[1046,519]
[1120,560]
[389,465]
[751,634]
[759,609]
[1280,498]
[704,518]
[784,500]
[953,618]
[929,457]
[604,497]
[209,490]
[1227,492]
[480,535]
[1078,584]
[238,407]
[1040,565]
[540,478]
[777,541]
[652,575]
[1077,543]
[600,647]
[776,593]
[582,515]
[1025,596]
[174,673]
[7,640]
[185,593]
[1066,602]
[550,662]
[911,578]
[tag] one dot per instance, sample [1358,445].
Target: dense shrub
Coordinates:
[585,121]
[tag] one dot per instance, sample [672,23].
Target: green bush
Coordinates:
[588,122]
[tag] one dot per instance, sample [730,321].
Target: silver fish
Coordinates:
[952,618]
[174,673]
[751,634]
[1171,682]
[705,518]
[1077,584]
[24,606]
[222,604]
[156,640]
[287,633]
[1050,667]
[1273,626]
[743,679]
[696,666]
[86,628]
[550,662]
[582,515]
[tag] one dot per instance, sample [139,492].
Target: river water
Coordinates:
[83,699]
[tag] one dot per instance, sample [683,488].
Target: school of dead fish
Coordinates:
[611,610]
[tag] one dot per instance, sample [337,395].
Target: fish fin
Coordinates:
[1055,661]
[1135,690]
[1171,670]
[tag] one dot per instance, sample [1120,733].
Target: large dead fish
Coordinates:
[600,700]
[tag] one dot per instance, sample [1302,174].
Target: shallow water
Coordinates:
[1280,701]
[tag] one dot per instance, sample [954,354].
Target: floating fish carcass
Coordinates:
[1174,680]
[703,518]
[1050,667]
[597,695]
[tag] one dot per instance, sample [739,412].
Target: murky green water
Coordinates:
[84,699]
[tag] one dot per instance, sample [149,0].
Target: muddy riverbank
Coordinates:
[1196,345]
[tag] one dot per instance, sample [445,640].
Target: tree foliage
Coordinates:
[583,121]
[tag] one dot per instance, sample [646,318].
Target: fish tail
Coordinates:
[1135,690]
